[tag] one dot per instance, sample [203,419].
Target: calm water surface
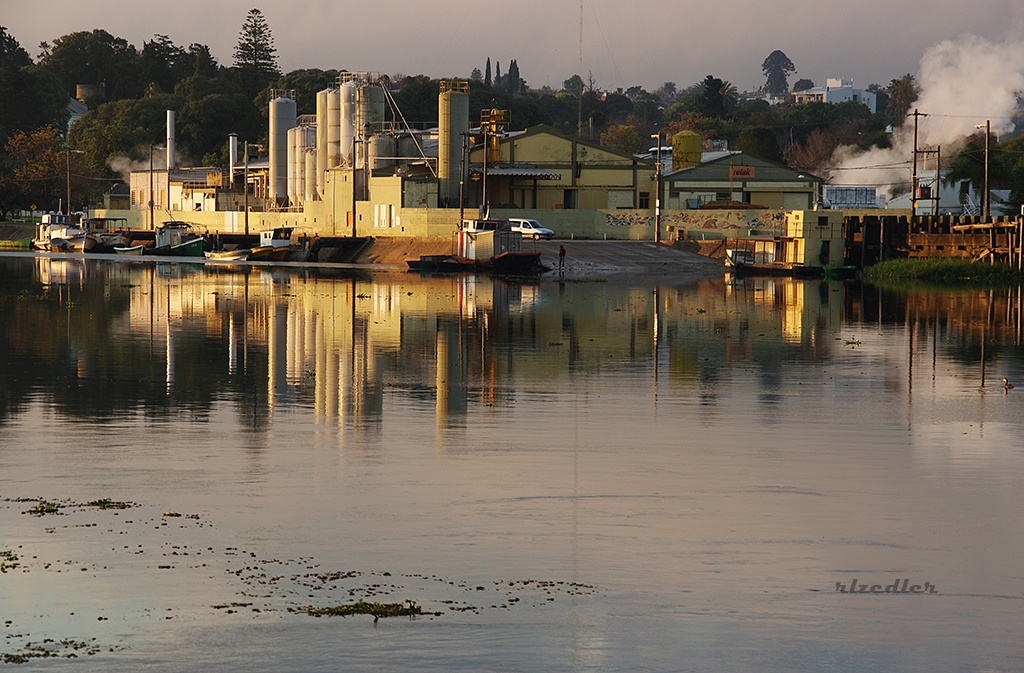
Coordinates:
[585,476]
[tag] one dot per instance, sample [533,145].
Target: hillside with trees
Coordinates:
[133,87]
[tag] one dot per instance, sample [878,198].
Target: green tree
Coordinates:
[776,68]
[487,72]
[255,54]
[30,97]
[164,63]
[38,160]
[573,85]
[803,85]
[760,142]
[717,97]
[11,53]
[96,57]
[903,93]
[623,137]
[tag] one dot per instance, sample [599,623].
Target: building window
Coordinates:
[569,199]
[645,201]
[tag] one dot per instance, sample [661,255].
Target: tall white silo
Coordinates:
[282,118]
[348,121]
[232,156]
[453,121]
[170,142]
[305,144]
[369,117]
[321,138]
[293,150]
[333,128]
[312,190]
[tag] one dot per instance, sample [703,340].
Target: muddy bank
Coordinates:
[636,261]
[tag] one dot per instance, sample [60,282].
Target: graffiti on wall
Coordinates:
[770,222]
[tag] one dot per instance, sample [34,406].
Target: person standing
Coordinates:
[561,259]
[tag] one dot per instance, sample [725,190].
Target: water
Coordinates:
[587,476]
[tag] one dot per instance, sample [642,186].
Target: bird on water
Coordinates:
[1006,384]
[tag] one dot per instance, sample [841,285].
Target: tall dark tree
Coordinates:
[903,94]
[513,78]
[95,57]
[497,74]
[717,97]
[760,142]
[12,53]
[776,68]
[255,54]
[487,72]
[164,63]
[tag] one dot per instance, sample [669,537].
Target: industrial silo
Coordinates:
[293,151]
[686,149]
[369,116]
[453,121]
[321,137]
[312,191]
[333,128]
[382,151]
[282,118]
[348,121]
[306,146]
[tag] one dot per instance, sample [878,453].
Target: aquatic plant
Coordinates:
[408,608]
[941,272]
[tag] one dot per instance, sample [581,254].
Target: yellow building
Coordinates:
[543,169]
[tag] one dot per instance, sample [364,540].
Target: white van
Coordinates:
[531,228]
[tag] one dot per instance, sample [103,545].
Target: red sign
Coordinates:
[741,172]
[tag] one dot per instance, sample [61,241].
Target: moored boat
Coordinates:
[176,239]
[57,232]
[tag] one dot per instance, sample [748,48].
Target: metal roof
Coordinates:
[520,172]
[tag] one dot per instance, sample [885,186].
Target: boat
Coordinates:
[130,250]
[485,245]
[57,232]
[280,245]
[104,234]
[176,239]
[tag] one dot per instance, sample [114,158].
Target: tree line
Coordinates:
[134,87]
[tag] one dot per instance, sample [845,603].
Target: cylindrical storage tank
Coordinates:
[382,151]
[282,118]
[306,144]
[686,149]
[321,136]
[292,150]
[369,116]
[312,192]
[333,128]
[453,121]
[348,121]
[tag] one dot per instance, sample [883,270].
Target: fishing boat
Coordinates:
[280,244]
[176,239]
[57,232]
[104,234]
[237,255]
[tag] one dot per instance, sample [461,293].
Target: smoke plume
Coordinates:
[963,84]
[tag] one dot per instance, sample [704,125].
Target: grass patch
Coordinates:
[941,273]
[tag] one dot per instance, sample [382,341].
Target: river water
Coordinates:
[569,477]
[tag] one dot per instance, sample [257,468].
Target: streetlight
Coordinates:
[984,197]
[657,190]
[68,166]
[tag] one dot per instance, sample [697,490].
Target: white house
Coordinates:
[837,91]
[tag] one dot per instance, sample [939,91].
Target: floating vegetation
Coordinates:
[50,649]
[407,608]
[107,503]
[44,507]
[8,560]
[940,272]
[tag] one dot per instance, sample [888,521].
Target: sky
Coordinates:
[624,43]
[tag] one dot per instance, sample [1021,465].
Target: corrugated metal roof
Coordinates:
[520,172]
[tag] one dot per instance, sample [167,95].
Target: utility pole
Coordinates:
[913,182]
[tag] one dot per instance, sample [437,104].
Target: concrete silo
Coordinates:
[321,137]
[369,117]
[453,121]
[282,118]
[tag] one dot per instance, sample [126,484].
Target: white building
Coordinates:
[837,91]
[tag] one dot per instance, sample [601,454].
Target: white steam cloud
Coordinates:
[963,84]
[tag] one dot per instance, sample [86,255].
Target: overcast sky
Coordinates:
[624,42]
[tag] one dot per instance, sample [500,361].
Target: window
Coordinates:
[569,199]
[645,201]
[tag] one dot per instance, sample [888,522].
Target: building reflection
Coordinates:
[351,346]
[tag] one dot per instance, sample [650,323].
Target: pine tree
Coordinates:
[513,78]
[487,72]
[497,74]
[255,50]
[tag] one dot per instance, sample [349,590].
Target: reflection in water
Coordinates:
[713,457]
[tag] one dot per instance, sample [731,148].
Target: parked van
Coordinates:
[531,228]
